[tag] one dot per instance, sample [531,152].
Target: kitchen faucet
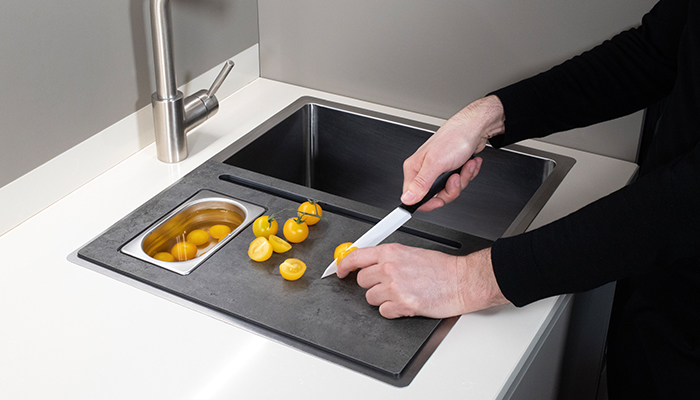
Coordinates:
[173,114]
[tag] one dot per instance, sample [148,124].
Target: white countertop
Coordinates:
[71,333]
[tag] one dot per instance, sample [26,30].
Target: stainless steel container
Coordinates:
[187,236]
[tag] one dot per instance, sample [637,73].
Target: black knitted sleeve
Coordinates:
[649,224]
[631,71]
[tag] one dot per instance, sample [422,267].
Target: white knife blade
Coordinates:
[376,234]
[393,221]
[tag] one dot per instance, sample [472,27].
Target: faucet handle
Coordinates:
[203,104]
[228,66]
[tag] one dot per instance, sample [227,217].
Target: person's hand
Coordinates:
[409,281]
[462,136]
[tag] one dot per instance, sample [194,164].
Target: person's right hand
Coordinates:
[463,135]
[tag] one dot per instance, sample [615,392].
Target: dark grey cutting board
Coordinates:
[330,314]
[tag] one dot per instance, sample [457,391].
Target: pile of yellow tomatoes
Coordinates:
[295,230]
[187,248]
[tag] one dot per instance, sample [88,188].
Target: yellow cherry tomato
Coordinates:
[265,226]
[310,207]
[259,249]
[292,269]
[345,252]
[164,256]
[184,251]
[198,237]
[219,232]
[295,231]
[278,244]
[341,248]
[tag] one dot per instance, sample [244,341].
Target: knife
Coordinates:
[393,221]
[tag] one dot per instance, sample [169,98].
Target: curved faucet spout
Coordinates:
[174,115]
[162,35]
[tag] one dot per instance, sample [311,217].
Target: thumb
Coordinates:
[420,184]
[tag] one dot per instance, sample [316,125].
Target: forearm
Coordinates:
[486,119]
[479,288]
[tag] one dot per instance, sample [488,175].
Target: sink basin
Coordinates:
[358,155]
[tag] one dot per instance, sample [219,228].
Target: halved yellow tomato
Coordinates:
[260,249]
[278,244]
[292,269]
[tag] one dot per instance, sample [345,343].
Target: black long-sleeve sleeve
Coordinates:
[648,225]
[651,224]
[645,236]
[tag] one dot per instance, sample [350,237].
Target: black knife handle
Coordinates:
[438,185]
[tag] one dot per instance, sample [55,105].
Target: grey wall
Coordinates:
[435,56]
[71,68]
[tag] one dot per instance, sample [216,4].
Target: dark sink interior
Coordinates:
[358,155]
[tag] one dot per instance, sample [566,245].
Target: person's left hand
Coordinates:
[408,281]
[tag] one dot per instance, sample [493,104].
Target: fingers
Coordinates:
[381,274]
[411,167]
[470,171]
[391,310]
[389,301]
[419,176]
[360,258]
[367,259]
[377,294]
[454,186]
[384,292]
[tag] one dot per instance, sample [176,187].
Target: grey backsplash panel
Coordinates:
[71,69]
[434,57]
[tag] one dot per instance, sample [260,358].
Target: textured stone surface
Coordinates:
[330,314]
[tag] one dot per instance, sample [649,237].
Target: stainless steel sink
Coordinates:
[358,155]
[350,160]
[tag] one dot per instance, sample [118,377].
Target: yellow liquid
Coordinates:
[175,230]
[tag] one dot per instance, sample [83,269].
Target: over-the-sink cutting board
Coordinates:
[330,314]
